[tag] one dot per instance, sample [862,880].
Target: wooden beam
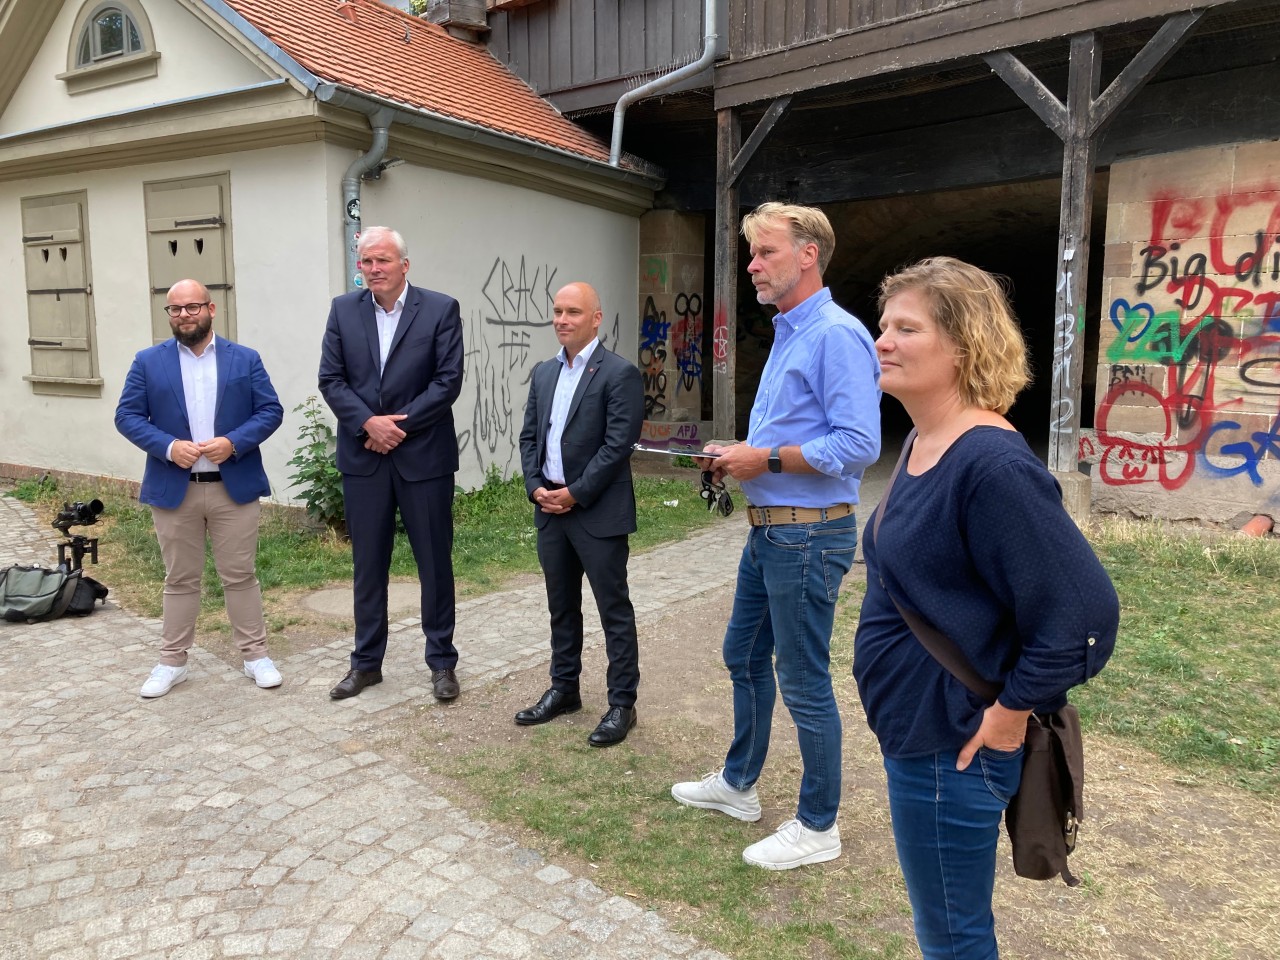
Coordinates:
[1171,35]
[1075,215]
[724,330]
[943,35]
[770,120]
[1030,89]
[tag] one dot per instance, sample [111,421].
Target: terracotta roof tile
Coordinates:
[393,55]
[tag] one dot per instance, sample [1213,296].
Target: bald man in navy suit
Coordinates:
[390,369]
[585,411]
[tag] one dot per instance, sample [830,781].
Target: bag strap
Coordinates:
[941,647]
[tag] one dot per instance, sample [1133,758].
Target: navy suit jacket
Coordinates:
[152,413]
[605,418]
[422,379]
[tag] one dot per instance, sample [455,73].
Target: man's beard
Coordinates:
[778,288]
[195,336]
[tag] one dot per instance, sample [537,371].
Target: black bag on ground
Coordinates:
[88,593]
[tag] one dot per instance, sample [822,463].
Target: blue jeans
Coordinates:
[784,607]
[945,825]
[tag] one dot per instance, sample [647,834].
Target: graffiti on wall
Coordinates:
[1196,346]
[660,433]
[498,341]
[654,330]
[670,357]
[502,341]
[686,341]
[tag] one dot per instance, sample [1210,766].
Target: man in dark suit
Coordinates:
[390,369]
[200,406]
[585,411]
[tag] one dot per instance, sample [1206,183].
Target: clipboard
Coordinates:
[641,448]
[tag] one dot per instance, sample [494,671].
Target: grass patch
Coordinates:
[1193,679]
[493,541]
[1195,673]
[611,809]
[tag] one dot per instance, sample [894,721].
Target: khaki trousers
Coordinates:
[232,529]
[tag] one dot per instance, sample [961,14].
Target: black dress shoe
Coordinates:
[613,727]
[553,703]
[354,682]
[444,684]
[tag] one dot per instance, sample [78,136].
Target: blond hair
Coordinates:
[805,224]
[972,308]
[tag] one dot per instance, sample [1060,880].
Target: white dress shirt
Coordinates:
[388,320]
[570,375]
[200,386]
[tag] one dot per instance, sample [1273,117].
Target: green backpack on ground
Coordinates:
[37,594]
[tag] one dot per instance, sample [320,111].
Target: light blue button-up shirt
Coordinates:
[200,388]
[566,386]
[819,390]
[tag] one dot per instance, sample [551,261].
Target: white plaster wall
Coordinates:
[469,238]
[284,215]
[193,60]
[475,240]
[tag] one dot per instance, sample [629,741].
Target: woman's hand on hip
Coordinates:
[1001,729]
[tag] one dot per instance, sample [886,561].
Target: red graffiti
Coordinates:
[1167,356]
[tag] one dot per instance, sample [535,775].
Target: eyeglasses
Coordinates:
[178,309]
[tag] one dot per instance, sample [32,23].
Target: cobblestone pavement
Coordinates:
[227,821]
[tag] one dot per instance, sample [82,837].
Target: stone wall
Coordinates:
[1187,416]
[671,310]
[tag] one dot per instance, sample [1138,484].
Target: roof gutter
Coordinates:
[381,124]
[348,98]
[666,80]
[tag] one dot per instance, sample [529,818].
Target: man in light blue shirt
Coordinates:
[815,426]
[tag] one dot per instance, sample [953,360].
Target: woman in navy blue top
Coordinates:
[976,541]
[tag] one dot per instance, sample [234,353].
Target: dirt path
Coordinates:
[1172,870]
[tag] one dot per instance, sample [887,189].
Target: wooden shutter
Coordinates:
[189,237]
[55,244]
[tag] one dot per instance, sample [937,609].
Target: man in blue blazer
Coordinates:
[390,369]
[200,406]
[585,411]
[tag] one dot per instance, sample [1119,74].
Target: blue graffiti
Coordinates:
[1250,452]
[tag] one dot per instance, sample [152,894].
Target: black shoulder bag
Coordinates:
[1044,816]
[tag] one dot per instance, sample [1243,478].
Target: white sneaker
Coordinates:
[794,845]
[714,793]
[162,680]
[263,672]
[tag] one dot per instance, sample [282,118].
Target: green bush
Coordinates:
[316,471]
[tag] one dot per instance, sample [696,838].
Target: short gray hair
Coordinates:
[375,234]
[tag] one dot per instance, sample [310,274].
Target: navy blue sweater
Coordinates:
[982,548]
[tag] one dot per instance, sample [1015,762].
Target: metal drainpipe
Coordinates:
[666,80]
[380,122]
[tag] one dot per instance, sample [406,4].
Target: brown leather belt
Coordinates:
[775,516]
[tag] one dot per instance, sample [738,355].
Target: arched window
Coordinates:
[109,32]
[110,43]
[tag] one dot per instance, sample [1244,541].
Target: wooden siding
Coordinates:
[775,50]
[566,44]
[761,26]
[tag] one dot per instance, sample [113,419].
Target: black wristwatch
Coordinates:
[775,460]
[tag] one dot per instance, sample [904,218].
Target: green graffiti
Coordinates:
[1149,337]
